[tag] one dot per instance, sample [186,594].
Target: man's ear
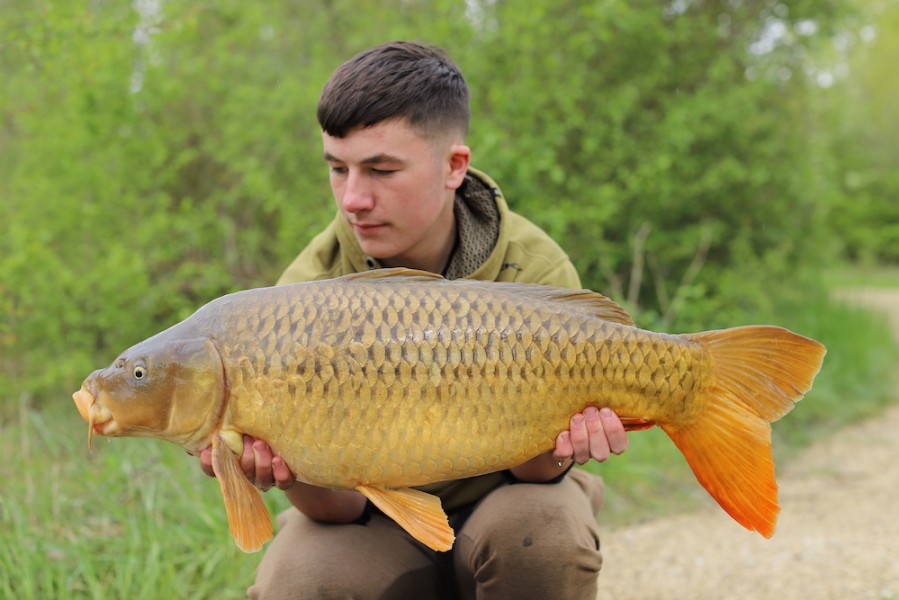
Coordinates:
[459,158]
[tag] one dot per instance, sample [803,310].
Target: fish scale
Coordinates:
[394,379]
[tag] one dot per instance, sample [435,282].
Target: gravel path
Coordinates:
[837,535]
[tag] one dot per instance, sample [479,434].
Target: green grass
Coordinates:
[850,276]
[133,519]
[138,519]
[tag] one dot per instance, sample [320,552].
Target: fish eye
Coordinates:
[139,372]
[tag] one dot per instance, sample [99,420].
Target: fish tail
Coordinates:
[756,375]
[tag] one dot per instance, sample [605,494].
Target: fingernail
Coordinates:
[592,413]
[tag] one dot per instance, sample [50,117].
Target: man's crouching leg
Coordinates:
[533,541]
[375,559]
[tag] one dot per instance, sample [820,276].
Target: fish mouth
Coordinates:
[83,401]
[97,416]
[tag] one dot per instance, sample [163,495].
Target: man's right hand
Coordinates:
[266,470]
[259,464]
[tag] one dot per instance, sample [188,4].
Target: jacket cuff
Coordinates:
[511,479]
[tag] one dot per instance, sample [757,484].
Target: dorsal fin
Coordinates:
[594,303]
[589,302]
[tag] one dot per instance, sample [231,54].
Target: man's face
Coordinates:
[395,189]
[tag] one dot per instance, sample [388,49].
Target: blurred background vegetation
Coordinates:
[707,163]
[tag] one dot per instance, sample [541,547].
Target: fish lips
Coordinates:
[96,415]
[84,400]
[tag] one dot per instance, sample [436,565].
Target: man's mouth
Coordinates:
[368,228]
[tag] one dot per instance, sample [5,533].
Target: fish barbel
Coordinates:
[391,379]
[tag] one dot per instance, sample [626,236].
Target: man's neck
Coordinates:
[435,257]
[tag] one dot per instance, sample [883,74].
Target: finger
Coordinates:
[283,476]
[579,438]
[615,432]
[263,454]
[248,459]
[206,461]
[563,450]
[599,445]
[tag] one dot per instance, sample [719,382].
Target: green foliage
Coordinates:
[865,211]
[858,373]
[156,156]
[153,161]
[670,159]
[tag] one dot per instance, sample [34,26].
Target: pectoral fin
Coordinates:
[248,518]
[417,512]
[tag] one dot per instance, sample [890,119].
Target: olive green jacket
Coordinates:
[522,252]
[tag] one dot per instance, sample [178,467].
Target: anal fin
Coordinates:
[248,518]
[419,513]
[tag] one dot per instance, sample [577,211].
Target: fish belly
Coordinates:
[402,385]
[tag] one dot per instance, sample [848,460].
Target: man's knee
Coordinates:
[530,528]
[536,537]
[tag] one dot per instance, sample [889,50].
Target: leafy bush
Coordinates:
[155,156]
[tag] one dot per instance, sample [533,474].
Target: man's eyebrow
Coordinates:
[371,160]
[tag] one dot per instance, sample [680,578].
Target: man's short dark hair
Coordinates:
[393,81]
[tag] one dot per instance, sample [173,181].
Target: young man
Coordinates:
[394,121]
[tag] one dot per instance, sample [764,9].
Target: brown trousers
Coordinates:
[520,541]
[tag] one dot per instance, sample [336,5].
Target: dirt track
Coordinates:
[837,536]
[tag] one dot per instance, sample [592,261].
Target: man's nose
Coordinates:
[357,194]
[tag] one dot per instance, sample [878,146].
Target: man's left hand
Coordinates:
[594,433]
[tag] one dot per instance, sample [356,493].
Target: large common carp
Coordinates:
[395,378]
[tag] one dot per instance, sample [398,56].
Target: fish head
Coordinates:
[162,388]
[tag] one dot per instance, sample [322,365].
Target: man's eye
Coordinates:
[383,171]
[338,170]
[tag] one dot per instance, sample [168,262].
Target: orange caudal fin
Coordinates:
[419,513]
[757,374]
[248,518]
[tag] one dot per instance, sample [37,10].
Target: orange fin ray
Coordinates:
[248,518]
[419,513]
[730,454]
[636,423]
[758,373]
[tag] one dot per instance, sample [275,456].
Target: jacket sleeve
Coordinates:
[563,274]
[533,257]
[319,260]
